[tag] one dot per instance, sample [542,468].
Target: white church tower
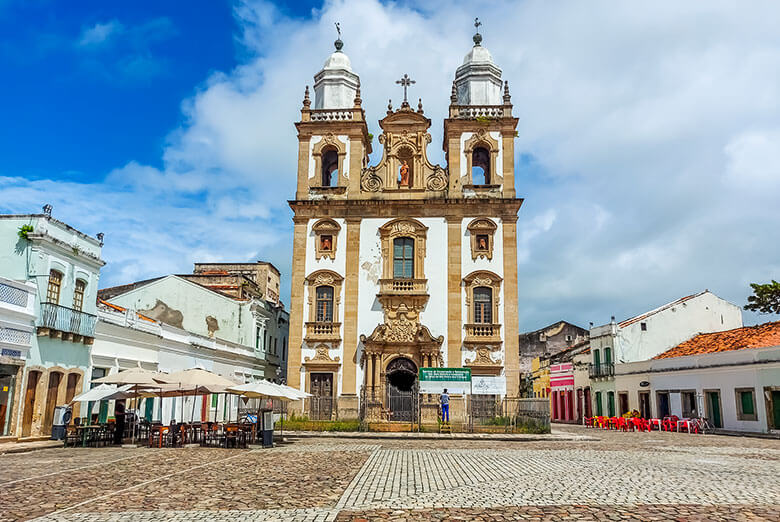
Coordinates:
[404,264]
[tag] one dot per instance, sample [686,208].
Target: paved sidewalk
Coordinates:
[22,447]
[555,436]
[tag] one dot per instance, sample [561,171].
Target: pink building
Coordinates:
[562,403]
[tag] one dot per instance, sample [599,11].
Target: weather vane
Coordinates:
[477,23]
[338,29]
[477,37]
[405,82]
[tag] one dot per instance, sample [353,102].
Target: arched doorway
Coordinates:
[401,375]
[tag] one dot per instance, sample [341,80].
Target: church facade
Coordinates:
[403,264]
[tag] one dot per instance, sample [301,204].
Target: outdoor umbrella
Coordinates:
[138,378]
[135,376]
[294,391]
[194,378]
[104,392]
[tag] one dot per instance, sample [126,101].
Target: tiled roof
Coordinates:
[659,309]
[121,309]
[759,336]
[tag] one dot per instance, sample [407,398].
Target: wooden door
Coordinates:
[29,402]
[51,401]
[321,402]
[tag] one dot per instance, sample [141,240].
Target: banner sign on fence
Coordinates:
[435,380]
[488,385]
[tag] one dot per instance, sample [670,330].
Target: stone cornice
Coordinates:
[504,208]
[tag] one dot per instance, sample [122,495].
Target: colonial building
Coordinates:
[62,267]
[730,377]
[225,304]
[548,341]
[403,264]
[644,336]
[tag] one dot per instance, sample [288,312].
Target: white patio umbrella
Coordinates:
[104,392]
[131,376]
[197,377]
[262,389]
[295,391]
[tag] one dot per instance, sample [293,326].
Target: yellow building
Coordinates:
[540,372]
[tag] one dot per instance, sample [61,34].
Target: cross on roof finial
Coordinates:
[338,43]
[477,23]
[405,82]
[477,37]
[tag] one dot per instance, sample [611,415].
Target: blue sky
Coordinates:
[647,148]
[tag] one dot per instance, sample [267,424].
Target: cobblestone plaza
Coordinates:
[641,476]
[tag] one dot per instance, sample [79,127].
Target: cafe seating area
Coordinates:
[670,423]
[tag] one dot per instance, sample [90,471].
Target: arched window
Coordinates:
[78,294]
[480,166]
[483,305]
[330,168]
[403,258]
[324,304]
[53,290]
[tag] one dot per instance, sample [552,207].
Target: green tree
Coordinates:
[766,298]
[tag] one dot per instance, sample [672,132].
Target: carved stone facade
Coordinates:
[425,271]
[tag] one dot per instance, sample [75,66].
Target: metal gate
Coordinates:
[403,404]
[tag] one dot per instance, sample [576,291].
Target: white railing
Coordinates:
[480,111]
[331,115]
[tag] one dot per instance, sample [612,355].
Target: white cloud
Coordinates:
[641,121]
[100,33]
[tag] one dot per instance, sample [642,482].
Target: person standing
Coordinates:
[119,427]
[444,400]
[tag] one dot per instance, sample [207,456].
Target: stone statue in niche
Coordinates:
[405,174]
[326,243]
[482,243]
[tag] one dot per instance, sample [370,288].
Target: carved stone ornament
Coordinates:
[401,331]
[437,180]
[321,355]
[483,358]
[370,182]
[323,279]
[483,281]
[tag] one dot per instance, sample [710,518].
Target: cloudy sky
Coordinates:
[648,148]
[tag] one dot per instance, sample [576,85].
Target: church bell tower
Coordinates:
[403,264]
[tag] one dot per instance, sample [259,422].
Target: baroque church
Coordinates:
[404,264]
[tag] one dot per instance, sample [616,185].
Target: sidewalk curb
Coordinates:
[436,436]
[25,449]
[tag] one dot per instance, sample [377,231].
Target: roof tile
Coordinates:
[759,336]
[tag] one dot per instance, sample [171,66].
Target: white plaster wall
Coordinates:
[674,325]
[495,265]
[345,140]
[312,265]
[370,312]
[500,157]
[312,142]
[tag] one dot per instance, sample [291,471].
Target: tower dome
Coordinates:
[335,85]
[478,80]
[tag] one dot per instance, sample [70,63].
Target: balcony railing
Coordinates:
[601,370]
[322,331]
[403,286]
[62,319]
[483,332]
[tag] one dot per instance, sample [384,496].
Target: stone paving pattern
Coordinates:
[621,476]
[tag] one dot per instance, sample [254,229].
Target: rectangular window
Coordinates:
[483,305]
[258,337]
[746,404]
[599,407]
[78,294]
[53,290]
[324,304]
[643,326]
[403,258]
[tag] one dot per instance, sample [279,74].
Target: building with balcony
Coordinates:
[17,330]
[646,335]
[126,339]
[62,267]
[216,304]
[403,264]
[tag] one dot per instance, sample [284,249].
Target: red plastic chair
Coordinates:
[670,423]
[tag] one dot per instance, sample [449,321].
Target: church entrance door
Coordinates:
[402,389]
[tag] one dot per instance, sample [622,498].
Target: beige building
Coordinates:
[403,264]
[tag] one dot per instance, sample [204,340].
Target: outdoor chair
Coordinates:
[670,423]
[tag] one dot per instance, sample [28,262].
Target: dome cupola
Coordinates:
[478,80]
[335,85]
